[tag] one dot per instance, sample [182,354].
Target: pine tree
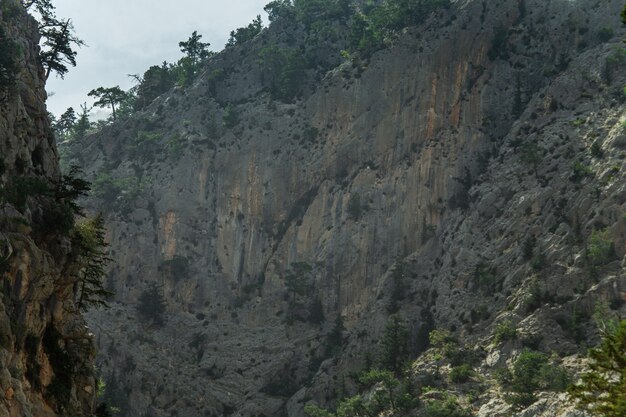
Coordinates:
[58,36]
[195,50]
[82,125]
[108,97]
[89,238]
[602,390]
[152,304]
[65,123]
[393,345]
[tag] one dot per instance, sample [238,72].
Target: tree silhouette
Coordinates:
[152,304]
[393,344]
[59,39]
[195,50]
[108,97]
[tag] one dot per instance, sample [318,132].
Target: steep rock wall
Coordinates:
[415,156]
[46,353]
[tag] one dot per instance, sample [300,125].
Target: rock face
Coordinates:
[481,155]
[46,353]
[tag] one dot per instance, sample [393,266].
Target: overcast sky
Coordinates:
[128,36]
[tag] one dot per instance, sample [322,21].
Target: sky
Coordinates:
[128,36]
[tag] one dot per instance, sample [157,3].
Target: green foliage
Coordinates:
[241,35]
[394,345]
[231,117]
[65,124]
[376,25]
[108,97]
[72,187]
[59,39]
[531,155]
[446,407]
[151,306]
[531,372]
[580,171]
[387,394]
[9,54]
[20,188]
[155,81]
[195,50]
[83,124]
[448,346]
[596,149]
[504,331]
[90,244]
[462,373]
[600,248]
[310,11]
[283,70]
[314,411]
[279,9]
[116,191]
[602,390]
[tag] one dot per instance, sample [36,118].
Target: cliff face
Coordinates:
[46,353]
[444,156]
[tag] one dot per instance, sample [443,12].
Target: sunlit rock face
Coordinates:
[46,352]
[442,154]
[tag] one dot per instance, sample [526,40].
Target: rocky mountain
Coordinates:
[467,177]
[46,351]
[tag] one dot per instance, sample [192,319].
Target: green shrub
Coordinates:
[600,248]
[531,372]
[462,373]
[580,171]
[505,331]
[283,70]
[447,407]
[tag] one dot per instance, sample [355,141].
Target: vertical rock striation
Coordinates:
[444,153]
[46,352]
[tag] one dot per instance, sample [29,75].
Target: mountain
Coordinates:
[273,219]
[46,350]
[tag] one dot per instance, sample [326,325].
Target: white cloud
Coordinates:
[128,36]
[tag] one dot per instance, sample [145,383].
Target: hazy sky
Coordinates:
[128,36]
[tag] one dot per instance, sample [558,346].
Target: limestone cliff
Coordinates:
[46,353]
[481,154]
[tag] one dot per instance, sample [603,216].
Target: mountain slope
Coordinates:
[440,156]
